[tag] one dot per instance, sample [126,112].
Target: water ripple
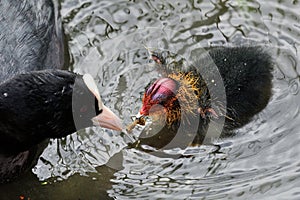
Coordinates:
[106,39]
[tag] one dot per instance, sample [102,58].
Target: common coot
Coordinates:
[37,100]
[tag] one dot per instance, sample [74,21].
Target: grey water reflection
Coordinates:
[260,162]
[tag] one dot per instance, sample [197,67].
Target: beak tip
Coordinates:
[107,119]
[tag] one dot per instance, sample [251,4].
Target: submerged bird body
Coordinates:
[186,94]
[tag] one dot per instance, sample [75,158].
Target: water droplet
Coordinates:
[279,74]
[205,30]
[127,11]
[294,86]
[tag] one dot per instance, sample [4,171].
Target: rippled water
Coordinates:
[107,39]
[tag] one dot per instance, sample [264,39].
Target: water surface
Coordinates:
[107,39]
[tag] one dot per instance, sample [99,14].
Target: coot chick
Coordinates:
[184,96]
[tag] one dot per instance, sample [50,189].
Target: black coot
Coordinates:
[37,100]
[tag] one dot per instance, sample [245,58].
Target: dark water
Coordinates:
[107,39]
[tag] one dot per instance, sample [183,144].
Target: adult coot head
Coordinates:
[49,104]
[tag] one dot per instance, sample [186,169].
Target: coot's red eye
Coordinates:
[83,109]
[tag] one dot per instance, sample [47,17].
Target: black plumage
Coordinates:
[41,104]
